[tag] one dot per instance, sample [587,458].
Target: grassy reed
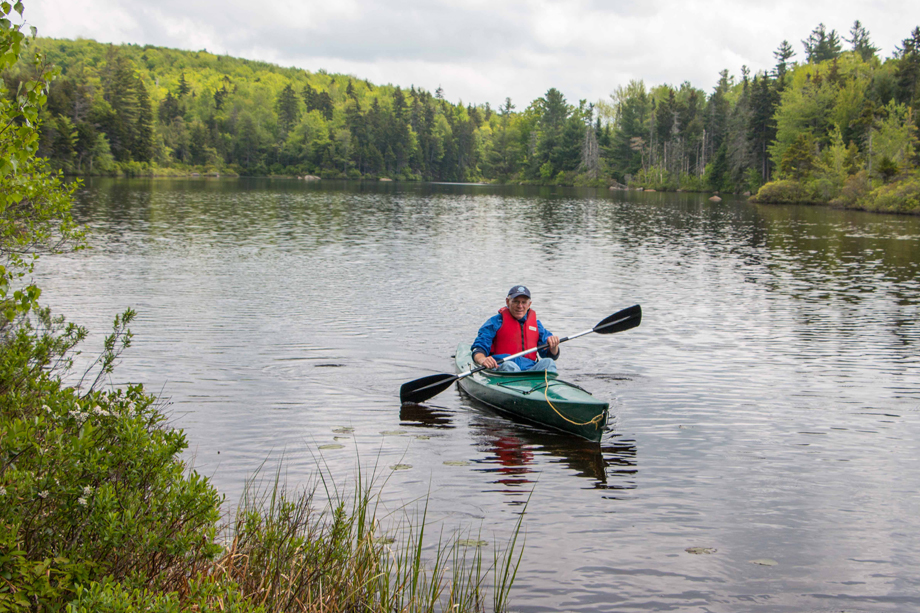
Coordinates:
[287,554]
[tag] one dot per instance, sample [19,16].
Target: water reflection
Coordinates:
[420,415]
[517,447]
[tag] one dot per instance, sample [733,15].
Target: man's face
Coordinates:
[518,306]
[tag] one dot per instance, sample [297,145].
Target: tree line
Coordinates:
[815,123]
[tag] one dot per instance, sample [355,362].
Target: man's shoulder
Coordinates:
[497,318]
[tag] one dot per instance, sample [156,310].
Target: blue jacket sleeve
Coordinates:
[483,342]
[545,334]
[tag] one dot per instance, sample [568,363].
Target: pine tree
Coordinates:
[822,45]
[717,117]
[288,110]
[184,88]
[633,109]
[762,126]
[908,68]
[121,123]
[170,109]
[859,40]
[783,54]
[142,147]
[548,159]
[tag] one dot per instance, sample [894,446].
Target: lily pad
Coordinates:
[401,466]
[331,446]
[457,463]
[422,437]
[700,550]
[392,432]
[343,430]
[472,543]
[765,562]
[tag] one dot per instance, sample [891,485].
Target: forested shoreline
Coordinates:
[838,127]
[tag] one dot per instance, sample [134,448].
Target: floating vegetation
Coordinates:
[393,432]
[765,562]
[343,430]
[700,550]
[472,543]
[457,462]
[401,466]
[422,437]
[341,438]
[331,446]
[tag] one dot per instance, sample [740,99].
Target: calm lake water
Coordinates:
[766,410]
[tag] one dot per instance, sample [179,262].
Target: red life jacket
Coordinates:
[514,337]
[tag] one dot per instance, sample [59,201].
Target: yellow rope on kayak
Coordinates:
[596,421]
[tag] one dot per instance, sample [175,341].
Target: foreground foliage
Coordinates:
[98,512]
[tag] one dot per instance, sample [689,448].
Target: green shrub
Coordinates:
[900,197]
[855,189]
[783,192]
[205,595]
[92,487]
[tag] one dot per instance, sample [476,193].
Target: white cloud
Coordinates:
[481,50]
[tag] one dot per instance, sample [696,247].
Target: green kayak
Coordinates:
[538,397]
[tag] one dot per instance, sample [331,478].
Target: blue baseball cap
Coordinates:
[518,290]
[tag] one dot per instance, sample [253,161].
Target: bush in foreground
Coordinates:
[99,513]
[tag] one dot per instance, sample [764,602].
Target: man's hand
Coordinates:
[486,360]
[553,343]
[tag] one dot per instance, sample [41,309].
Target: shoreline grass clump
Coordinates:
[98,512]
[288,552]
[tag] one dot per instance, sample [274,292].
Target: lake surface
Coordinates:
[767,410]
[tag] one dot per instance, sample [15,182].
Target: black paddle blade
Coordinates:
[422,389]
[621,320]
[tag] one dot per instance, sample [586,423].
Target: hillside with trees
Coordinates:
[835,128]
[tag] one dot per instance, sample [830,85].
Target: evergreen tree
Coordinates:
[184,87]
[762,126]
[549,154]
[120,120]
[169,109]
[324,104]
[717,117]
[908,68]
[799,159]
[782,54]
[309,97]
[288,110]
[822,45]
[738,150]
[860,43]
[142,146]
[633,107]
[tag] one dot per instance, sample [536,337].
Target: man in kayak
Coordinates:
[514,329]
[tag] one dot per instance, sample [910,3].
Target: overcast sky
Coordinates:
[485,50]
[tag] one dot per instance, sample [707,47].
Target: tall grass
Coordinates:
[288,552]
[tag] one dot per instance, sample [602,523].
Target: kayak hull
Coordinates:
[538,397]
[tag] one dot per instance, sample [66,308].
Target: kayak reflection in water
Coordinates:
[514,329]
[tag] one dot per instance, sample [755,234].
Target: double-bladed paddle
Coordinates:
[422,389]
